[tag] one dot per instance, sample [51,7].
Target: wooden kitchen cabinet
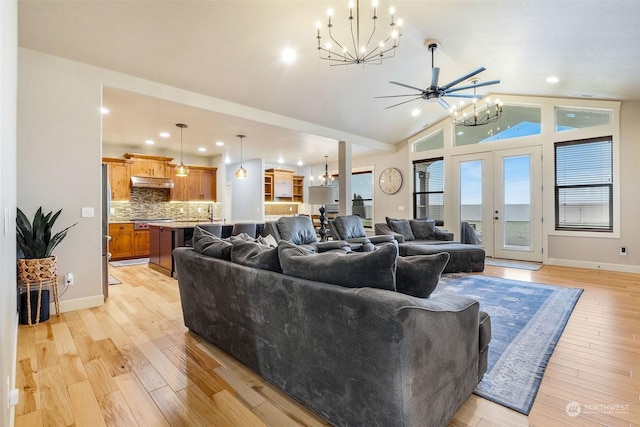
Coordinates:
[121,245]
[298,184]
[161,244]
[268,186]
[199,185]
[119,172]
[149,166]
[279,186]
[141,243]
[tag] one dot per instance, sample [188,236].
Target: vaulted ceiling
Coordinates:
[230,50]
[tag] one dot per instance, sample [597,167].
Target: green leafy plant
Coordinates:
[34,238]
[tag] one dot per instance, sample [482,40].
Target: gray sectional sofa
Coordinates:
[357,356]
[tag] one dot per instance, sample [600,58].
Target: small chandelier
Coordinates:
[361,52]
[181,169]
[242,172]
[326,180]
[491,112]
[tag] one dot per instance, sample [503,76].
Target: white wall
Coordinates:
[247,202]
[8,312]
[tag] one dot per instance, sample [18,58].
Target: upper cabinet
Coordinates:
[149,166]
[119,177]
[282,185]
[200,184]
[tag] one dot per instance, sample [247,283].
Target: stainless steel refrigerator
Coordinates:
[106,209]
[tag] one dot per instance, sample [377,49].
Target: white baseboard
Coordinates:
[78,304]
[622,268]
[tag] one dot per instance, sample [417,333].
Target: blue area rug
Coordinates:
[527,320]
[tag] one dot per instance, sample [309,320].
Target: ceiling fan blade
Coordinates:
[463,78]
[410,87]
[395,96]
[471,86]
[435,74]
[462,95]
[444,104]
[421,104]
[400,103]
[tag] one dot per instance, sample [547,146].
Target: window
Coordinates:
[428,189]
[362,201]
[578,118]
[516,122]
[430,142]
[584,185]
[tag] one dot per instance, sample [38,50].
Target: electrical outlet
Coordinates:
[199,210]
[68,279]
[623,251]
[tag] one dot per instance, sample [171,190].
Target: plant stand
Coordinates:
[40,272]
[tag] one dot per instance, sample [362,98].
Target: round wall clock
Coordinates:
[390,180]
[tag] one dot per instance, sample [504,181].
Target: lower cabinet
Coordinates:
[126,242]
[161,244]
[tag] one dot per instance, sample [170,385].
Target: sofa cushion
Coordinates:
[349,227]
[423,229]
[376,269]
[297,229]
[267,240]
[255,255]
[210,245]
[242,236]
[401,226]
[419,275]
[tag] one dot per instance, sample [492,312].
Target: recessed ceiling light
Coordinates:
[104,110]
[552,79]
[149,142]
[288,55]
[227,160]
[202,149]
[164,135]
[300,163]
[219,143]
[281,160]
[415,113]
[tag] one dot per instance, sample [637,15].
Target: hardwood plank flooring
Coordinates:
[132,362]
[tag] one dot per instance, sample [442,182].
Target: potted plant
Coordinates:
[36,242]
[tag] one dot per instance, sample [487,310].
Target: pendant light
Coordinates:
[181,169]
[242,172]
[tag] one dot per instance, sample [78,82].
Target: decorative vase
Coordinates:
[37,270]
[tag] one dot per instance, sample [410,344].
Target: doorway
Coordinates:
[500,198]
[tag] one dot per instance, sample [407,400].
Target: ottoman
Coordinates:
[463,258]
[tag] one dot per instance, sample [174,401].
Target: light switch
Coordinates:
[400,208]
[88,213]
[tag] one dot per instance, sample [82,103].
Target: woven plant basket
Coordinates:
[37,270]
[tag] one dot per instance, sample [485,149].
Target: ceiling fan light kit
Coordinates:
[359,50]
[493,113]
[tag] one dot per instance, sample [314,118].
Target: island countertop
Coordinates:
[183,224]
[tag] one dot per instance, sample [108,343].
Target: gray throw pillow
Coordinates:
[402,226]
[423,229]
[375,269]
[268,240]
[255,255]
[242,236]
[419,275]
[210,245]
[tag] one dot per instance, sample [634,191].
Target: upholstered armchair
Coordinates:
[300,231]
[350,229]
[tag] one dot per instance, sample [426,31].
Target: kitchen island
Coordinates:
[164,237]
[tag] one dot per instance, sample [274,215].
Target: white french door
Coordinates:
[500,197]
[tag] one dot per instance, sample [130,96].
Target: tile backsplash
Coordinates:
[150,203]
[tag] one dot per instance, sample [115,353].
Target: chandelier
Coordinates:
[360,50]
[482,115]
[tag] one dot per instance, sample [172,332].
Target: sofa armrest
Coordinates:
[443,235]
[382,228]
[332,245]
[381,238]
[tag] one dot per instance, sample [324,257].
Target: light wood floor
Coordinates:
[132,362]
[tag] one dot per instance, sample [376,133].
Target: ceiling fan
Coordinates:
[439,92]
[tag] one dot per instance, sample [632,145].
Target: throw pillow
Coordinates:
[210,245]
[402,226]
[255,255]
[423,229]
[375,269]
[243,236]
[419,275]
[268,240]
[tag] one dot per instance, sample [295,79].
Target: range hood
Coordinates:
[149,182]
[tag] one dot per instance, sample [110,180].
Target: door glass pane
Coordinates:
[516,211]
[471,196]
